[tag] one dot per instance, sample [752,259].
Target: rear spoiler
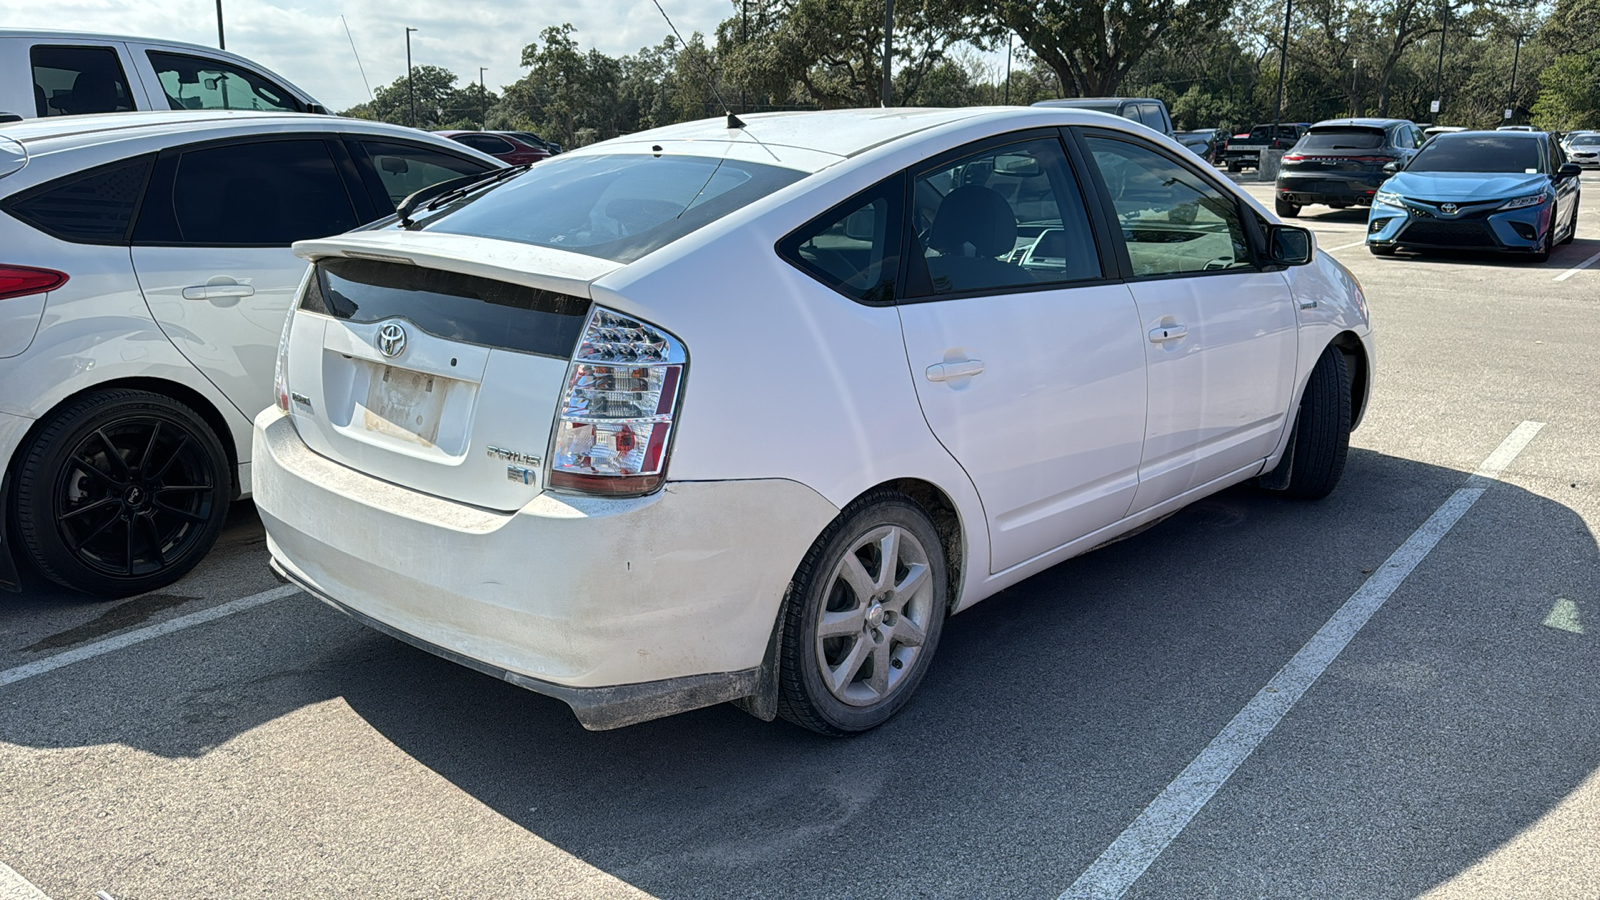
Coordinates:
[13,156]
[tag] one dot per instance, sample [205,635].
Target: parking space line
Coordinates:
[1346,246]
[1578,268]
[15,887]
[1114,872]
[139,636]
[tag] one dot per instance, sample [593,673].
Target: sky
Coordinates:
[305,42]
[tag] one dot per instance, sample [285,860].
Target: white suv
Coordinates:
[145,273]
[741,410]
[67,73]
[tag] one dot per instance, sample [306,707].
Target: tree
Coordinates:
[1569,93]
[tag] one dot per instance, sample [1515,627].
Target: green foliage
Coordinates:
[1569,93]
[440,104]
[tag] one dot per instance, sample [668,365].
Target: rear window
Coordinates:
[1486,152]
[1342,139]
[448,305]
[617,207]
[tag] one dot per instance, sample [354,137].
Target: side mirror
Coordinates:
[1289,245]
[1391,168]
[9,117]
[1569,170]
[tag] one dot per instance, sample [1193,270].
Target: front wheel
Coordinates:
[1285,209]
[864,615]
[1573,232]
[1546,245]
[121,492]
[1321,438]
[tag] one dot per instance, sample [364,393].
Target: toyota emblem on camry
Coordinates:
[391,340]
[1448,209]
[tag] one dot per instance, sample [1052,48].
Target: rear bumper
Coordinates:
[625,609]
[1327,188]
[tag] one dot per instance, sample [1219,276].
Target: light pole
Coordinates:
[1511,100]
[1355,65]
[221,44]
[1010,40]
[888,45]
[1438,73]
[410,88]
[1283,62]
[483,102]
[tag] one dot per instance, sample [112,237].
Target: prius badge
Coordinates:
[391,340]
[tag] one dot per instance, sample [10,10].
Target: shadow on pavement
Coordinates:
[1053,714]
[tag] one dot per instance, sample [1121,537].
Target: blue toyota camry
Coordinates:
[1479,190]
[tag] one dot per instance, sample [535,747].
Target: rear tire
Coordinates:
[1235,167]
[859,634]
[121,492]
[1285,209]
[1321,439]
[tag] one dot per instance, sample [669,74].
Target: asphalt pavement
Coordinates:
[1389,693]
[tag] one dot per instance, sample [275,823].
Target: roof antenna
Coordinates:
[733,120]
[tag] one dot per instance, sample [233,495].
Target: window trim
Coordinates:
[509,146]
[293,96]
[116,53]
[1247,216]
[164,172]
[1110,269]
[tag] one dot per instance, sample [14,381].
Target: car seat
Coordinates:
[972,227]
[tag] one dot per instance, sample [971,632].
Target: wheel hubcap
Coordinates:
[134,496]
[875,616]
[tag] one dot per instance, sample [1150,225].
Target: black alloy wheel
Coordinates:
[121,492]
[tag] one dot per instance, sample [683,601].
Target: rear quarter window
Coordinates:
[95,207]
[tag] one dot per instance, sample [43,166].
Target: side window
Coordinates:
[75,81]
[92,208]
[487,143]
[1173,221]
[854,248]
[194,82]
[1011,217]
[403,169]
[1151,115]
[264,193]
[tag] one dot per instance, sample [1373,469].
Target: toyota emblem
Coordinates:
[391,340]
[1448,209]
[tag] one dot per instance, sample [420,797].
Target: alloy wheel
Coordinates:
[873,624]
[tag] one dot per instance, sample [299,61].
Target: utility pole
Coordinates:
[1355,66]
[1010,39]
[411,89]
[888,45]
[744,46]
[1283,62]
[221,44]
[1511,101]
[1438,73]
[483,102]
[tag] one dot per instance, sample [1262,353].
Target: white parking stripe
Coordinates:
[15,887]
[1346,246]
[1110,876]
[1578,268]
[139,636]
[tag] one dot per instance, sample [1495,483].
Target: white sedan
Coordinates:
[742,411]
[145,274]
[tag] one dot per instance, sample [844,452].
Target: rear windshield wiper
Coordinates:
[445,191]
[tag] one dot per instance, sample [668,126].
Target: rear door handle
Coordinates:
[218,291]
[963,368]
[1166,333]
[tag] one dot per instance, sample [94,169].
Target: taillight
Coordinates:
[1293,157]
[614,427]
[20,281]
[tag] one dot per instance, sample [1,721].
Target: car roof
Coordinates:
[825,136]
[61,35]
[1360,122]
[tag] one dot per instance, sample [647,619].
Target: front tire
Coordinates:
[121,492]
[1285,209]
[1546,246]
[864,615]
[1321,439]
[1573,232]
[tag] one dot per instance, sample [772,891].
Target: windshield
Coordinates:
[617,207]
[1342,139]
[1494,153]
[1586,140]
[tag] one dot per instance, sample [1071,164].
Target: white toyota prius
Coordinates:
[744,410]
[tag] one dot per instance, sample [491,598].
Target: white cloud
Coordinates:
[306,42]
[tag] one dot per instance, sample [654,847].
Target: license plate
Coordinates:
[405,404]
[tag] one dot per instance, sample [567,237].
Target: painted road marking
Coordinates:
[1564,616]
[1346,246]
[15,887]
[139,636]
[1578,268]
[1110,876]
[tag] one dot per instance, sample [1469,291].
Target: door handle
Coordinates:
[218,291]
[963,368]
[1164,333]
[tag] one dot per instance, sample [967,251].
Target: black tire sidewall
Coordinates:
[807,700]
[40,466]
[1322,429]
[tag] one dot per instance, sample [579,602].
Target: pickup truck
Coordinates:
[1244,150]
